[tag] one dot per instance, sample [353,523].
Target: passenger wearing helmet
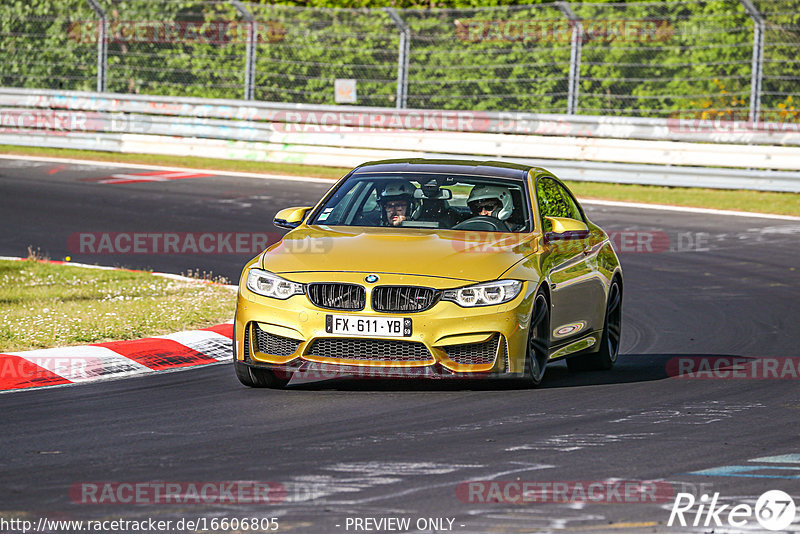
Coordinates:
[396,202]
[491,200]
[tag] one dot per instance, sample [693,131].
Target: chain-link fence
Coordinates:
[735,59]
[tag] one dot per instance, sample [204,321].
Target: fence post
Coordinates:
[758,59]
[102,45]
[250,50]
[402,57]
[576,42]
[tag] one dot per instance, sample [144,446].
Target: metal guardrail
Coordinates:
[267,114]
[623,150]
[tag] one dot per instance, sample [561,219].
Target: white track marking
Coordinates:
[574,442]
[702,413]
[687,209]
[375,469]
[113,165]
[369,475]
[84,265]
[613,203]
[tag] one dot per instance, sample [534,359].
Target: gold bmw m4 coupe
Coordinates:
[431,269]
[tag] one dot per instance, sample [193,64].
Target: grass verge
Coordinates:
[737,200]
[44,305]
[721,199]
[193,162]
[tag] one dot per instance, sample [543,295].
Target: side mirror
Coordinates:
[290,217]
[566,228]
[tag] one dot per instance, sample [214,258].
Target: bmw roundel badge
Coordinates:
[371,278]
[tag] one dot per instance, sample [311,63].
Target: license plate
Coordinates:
[368,326]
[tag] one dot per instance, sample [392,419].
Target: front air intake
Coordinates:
[337,296]
[403,299]
[474,353]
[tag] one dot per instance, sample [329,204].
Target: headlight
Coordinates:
[267,284]
[485,294]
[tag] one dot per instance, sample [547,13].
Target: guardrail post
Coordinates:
[576,43]
[250,51]
[402,57]
[102,45]
[758,59]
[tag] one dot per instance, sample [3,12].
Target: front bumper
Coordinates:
[447,341]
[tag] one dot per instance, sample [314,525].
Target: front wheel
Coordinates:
[538,349]
[257,378]
[606,356]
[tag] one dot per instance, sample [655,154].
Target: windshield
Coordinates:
[457,202]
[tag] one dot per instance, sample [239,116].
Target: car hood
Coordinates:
[462,255]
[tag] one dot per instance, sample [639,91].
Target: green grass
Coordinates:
[738,200]
[723,199]
[334,173]
[45,305]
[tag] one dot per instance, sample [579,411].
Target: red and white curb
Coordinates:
[117,359]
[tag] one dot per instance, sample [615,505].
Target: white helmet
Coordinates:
[493,192]
[398,190]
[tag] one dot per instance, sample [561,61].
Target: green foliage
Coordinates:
[35,50]
[551,202]
[638,58]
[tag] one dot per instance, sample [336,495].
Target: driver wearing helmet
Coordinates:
[492,201]
[396,202]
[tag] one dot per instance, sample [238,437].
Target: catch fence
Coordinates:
[732,59]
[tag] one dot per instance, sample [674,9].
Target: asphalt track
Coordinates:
[721,287]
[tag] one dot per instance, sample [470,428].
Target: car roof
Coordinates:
[499,169]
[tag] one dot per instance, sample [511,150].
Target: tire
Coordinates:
[605,358]
[257,378]
[537,350]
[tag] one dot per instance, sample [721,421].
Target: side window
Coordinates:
[371,202]
[572,206]
[338,206]
[555,201]
[551,203]
[365,210]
